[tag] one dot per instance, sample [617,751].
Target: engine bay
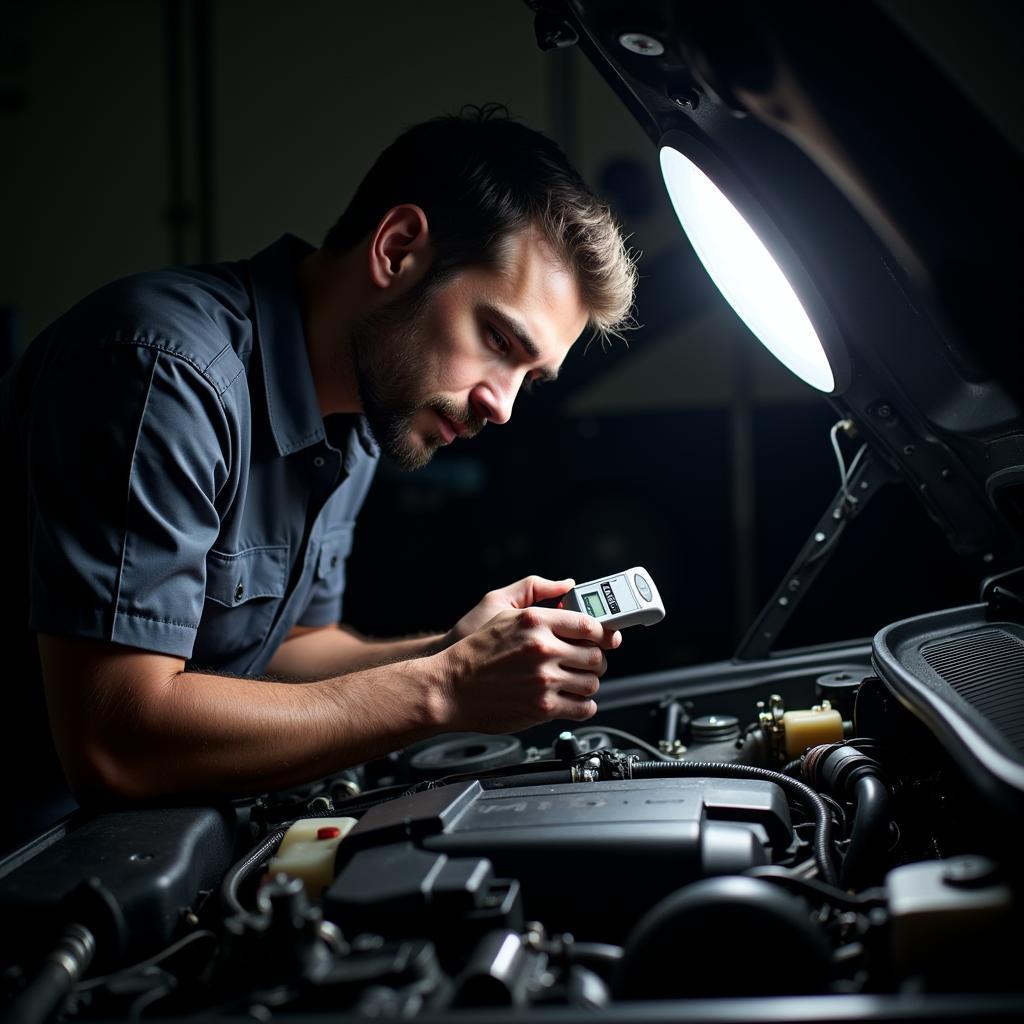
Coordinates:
[801,826]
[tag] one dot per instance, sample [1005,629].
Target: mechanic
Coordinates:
[187,451]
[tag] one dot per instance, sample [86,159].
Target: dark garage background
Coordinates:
[139,133]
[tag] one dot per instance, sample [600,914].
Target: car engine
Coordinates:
[826,824]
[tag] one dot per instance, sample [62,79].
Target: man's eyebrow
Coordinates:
[515,327]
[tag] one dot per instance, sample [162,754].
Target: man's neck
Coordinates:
[330,303]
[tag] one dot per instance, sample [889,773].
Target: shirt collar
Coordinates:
[293,411]
[292,406]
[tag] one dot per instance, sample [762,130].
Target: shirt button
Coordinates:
[318,461]
[334,561]
[239,591]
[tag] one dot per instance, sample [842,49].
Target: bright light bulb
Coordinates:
[745,271]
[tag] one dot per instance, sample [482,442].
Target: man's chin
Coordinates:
[409,453]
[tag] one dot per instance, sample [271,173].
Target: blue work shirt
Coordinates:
[170,482]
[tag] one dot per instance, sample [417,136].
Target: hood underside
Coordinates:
[891,201]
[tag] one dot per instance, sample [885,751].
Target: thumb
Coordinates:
[540,589]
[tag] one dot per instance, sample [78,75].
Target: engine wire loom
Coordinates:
[603,765]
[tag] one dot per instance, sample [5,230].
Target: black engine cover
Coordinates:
[598,852]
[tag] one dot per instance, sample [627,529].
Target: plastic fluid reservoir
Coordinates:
[811,727]
[308,852]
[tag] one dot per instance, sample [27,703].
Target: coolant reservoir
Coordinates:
[308,852]
[810,727]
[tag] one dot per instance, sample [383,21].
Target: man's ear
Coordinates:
[400,249]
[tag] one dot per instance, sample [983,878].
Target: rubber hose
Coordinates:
[239,872]
[798,790]
[52,983]
[869,834]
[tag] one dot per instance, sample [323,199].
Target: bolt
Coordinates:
[794,583]
[864,485]
[988,557]
[688,99]
[883,412]
[783,601]
[947,473]
[820,538]
[909,449]
[642,44]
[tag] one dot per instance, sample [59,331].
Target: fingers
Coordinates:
[576,709]
[576,656]
[580,684]
[531,589]
[577,626]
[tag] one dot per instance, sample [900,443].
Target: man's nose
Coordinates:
[493,400]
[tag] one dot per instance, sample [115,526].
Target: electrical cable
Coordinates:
[844,479]
[595,730]
[845,472]
[153,961]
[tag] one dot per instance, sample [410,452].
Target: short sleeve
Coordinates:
[128,448]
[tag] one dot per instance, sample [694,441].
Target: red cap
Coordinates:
[328,832]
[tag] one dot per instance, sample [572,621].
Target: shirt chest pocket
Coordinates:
[243,592]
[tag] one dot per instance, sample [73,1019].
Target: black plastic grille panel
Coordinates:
[985,668]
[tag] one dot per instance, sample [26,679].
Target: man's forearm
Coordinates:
[318,653]
[176,732]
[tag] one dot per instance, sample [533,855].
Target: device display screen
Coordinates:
[594,605]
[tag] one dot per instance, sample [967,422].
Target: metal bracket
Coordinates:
[866,480]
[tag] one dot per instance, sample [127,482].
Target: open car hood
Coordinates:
[890,201]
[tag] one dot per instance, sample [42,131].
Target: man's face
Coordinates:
[438,364]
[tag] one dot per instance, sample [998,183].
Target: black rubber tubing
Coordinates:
[869,835]
[239,872]
[54,980]
[800,792]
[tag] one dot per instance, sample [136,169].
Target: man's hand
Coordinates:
[524,667]
[521,594]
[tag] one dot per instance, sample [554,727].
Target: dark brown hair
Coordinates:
[481,176]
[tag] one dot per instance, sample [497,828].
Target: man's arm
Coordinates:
[131,724]
[312,652]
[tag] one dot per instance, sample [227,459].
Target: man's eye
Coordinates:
[500,341]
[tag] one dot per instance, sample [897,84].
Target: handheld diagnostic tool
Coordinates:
[627,598]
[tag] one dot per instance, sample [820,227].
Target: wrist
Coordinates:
[439,698]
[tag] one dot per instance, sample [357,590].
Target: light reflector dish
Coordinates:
[745,271]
